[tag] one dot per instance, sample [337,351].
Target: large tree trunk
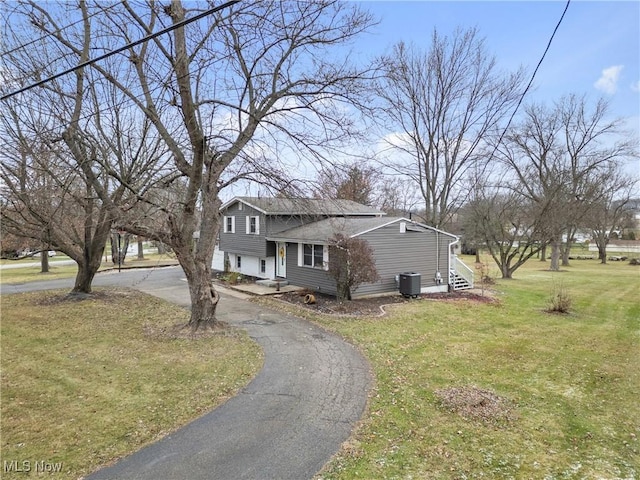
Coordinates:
[91,259]
[543,253]
[196,258]
[506,271]
[89,264]
[602,253]
[44,259]
[566,248]
[204,298]
[140,248]
[84,278]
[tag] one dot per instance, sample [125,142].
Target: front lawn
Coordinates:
[85,382]
[30,270]
[570,383]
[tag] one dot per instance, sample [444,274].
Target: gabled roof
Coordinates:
[305,206]
[323,230]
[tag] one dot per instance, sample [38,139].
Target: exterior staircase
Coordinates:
[460,283]
[460,276]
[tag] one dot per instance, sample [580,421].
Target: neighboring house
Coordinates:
[289,238]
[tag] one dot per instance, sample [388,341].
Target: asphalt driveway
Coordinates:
[286,424]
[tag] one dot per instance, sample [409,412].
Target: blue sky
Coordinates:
[596,50]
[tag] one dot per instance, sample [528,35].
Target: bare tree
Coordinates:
[561,156]
[47,200]
[356,183]
[397,196]
[72,136]
[442,104]
[509,225]
[610,210]
[351,264]
[225,97]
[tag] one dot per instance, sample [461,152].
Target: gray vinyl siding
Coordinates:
[314,279]
[280,223]
[397,253]
[240,242]
[256,244]
[394,253]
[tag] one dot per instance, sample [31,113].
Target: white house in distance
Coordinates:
[288,239]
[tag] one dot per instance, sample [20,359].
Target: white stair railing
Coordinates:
[462,270]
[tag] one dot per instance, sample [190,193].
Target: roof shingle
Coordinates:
[307,206]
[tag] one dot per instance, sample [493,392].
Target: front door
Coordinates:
[281,260]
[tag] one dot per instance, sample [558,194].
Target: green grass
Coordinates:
[574,380]
[33,273]
[86,382]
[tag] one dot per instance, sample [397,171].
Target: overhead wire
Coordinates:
[533,76]
[125,100]
[146,38]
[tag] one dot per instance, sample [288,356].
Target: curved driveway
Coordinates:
[286,424]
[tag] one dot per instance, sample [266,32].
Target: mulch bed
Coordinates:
[473,403]
[373,305]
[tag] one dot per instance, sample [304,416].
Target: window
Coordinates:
[238,261]
[263,266]
[313,255]
[253,225]
[229,225]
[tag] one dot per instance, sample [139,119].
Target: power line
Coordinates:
[121,49]
[533,76]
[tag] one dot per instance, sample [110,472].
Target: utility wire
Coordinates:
[533,76]
[121,49]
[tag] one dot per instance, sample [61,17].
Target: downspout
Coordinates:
[438,277]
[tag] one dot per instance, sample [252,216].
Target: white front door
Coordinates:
[281,260]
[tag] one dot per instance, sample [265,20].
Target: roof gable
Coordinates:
[321,231]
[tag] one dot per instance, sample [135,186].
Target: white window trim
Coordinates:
[325,257]
[248,225]
[225,225]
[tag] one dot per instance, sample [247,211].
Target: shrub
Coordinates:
[560,301]
[233,278]
[351,264]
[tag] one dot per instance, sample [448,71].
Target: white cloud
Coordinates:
[608,81]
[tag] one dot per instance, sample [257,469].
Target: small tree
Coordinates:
[350,264]
[509,225]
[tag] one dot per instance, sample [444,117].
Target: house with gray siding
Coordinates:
[288,239]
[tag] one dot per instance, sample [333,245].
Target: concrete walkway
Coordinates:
[286,424]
